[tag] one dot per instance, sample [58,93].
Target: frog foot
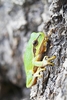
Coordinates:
[37,74]
[47,60]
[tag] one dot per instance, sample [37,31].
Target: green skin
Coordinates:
[32,59]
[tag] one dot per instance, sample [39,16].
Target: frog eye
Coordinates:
[35,43]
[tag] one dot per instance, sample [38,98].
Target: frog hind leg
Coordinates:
[32,78]
[37,74]
[40,67]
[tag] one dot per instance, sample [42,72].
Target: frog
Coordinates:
[33,61]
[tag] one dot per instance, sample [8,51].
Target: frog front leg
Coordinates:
[41,64]
[46,61]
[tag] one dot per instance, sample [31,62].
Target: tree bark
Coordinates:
[53,84]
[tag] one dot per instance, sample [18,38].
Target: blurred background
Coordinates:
[18,19]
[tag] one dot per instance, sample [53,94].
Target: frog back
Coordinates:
[28,56]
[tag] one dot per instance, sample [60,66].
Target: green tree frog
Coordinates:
[33,61]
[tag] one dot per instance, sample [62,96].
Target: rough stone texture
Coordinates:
[18,19]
